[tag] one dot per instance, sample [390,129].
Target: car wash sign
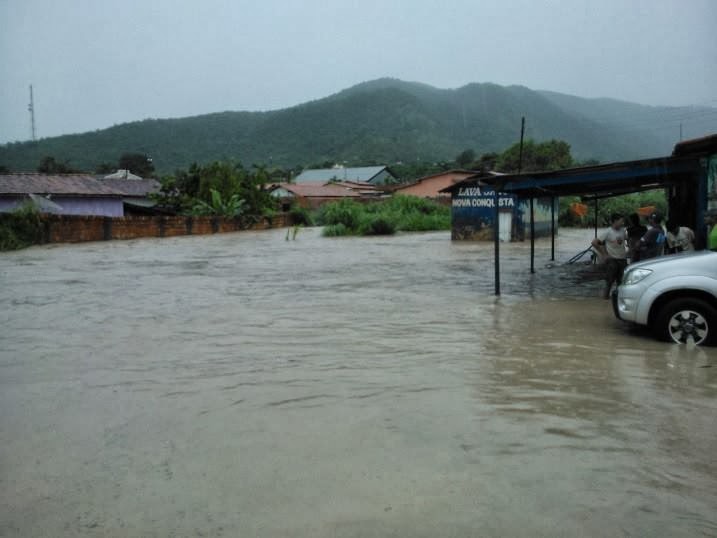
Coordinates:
[473,213]
[475,197]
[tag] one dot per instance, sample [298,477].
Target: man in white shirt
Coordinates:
[611,244]
[679,238]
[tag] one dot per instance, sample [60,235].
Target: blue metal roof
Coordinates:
[603,180]
[365,174]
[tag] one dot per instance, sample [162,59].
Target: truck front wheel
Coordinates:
[686,320]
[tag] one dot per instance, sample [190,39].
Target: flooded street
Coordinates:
[245,385]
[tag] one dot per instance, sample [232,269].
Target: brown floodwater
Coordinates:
[246,385]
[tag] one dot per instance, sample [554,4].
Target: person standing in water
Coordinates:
[679,238]
[652,243]
[635,231]
[610,244]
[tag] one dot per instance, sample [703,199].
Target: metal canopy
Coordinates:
[604,181]
[596,182]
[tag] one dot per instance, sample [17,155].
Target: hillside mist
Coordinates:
[383,121]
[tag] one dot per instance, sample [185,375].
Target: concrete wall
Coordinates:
[73,228]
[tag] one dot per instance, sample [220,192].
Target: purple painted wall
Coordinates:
[7,203]
[73,205]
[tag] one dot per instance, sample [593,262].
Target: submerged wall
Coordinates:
[73,229]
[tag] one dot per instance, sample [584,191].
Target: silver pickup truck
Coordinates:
[675,296]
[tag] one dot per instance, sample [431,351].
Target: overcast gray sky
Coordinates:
[95,63]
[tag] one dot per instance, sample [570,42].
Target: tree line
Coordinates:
[228,188]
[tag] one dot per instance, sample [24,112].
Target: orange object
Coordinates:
[578,209]
[646,211]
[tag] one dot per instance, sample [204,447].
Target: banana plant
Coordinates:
[233,207]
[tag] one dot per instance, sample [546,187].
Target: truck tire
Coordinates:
[682,320]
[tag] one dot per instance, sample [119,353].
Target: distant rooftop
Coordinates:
[66,184]
[316,189]
[122,174]
[133,187]
[365,174]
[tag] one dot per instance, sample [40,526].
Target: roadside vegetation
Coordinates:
[20,228]
[398,213]
[227,189]
[223,189]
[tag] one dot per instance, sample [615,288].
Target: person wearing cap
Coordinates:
[679,238]
[652,243]
[610,244]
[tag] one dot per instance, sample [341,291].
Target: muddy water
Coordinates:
[245,385]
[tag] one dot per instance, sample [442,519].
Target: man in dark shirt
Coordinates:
[635,231]
[652,243]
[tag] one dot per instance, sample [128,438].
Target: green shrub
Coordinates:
[336,230]
[346,212]
[377,225]
[418,222]
[20,228]
[301,215]
[404,213]
[413,204]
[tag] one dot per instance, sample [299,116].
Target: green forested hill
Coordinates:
[383,121]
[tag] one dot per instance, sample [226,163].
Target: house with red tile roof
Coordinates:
[316,193]
[431,186]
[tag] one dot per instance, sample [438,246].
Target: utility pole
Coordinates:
[31,108]
[532,199]
[520,153]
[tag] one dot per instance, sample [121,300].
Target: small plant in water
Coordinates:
[292,231]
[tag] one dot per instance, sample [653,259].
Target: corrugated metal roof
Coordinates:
[706,144]
[133,187]
[319,190]
[66,184]
[359,185]
[363,174]
[122,174]
[603,180]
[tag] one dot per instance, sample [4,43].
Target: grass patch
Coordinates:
[398,213]
[377,225]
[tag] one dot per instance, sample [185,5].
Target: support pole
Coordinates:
[552,229]
[532,235]
[496,240]
[596,216]
[520,152]
[532,212]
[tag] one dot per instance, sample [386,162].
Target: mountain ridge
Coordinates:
[383,121]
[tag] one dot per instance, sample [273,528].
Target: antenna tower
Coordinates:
[31,108]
